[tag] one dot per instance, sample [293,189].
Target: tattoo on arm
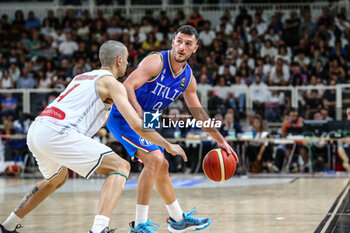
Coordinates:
[26,198]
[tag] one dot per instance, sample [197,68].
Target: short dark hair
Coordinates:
[188,30]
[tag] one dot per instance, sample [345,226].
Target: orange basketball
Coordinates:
[13,170]
[218,165]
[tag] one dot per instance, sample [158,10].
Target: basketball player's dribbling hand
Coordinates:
[225,146]
[175,149]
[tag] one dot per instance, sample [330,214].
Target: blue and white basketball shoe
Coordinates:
[147,227]
[188,223]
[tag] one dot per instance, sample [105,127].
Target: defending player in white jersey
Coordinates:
[60,138]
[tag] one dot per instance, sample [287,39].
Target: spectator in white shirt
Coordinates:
[114,30]
[268,49]
[207,35]
[58,36]
[68,47]
[227,63]
[279,74]
[259,24]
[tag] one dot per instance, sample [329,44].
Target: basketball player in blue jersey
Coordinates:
[160,79]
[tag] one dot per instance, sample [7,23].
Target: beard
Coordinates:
[181,60]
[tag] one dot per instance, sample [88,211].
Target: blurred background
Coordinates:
[276,73]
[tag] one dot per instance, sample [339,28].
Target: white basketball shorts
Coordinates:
[73,150]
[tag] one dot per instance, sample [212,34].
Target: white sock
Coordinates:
[11,222]
[175,211]
[100,223]
[141,214]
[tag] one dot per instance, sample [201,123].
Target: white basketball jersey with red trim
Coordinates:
[79,107]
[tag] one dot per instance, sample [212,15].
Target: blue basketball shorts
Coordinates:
[131,141]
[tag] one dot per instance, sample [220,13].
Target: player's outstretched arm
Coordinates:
[110,88]
[147,69]
[199,114]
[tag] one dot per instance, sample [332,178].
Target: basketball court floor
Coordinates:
[271,204]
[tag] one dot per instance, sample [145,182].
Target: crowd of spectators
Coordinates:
[244,50]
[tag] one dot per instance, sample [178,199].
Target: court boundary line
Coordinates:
[322,227]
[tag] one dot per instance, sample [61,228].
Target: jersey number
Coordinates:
[157,106]
[69,91]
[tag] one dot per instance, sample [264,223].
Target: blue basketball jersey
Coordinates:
[160,91]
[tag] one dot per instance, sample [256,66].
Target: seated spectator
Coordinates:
[8,106]
[313,103]
[196,20]
[46,29]
[259,95]
[259,153]
[275,105]
[319,71]
[307,23]
[302,60]
[272,36]
[291,30]
[329,99]
[34,45]
[283,151]
[268,49]
[43,81]
[298,73]
[14,72]
[114,30]
[279,74]
[336,72]
[259,24]
[325,114]
[52,19]
[32,22]
[203,81]
[276,24]
[6,81]
[85,67]
[283,54]
[26,80]
[58,36]
[67,48]
[231,127]
[318,87]
[207,35]
[150,44]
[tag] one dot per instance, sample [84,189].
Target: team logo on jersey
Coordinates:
[183,83]
[144,142]
[151,120]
